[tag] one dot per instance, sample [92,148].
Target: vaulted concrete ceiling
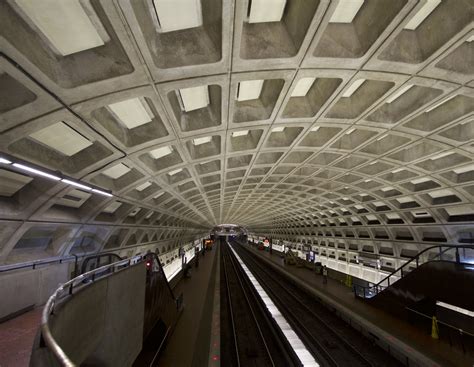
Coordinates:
[282,116]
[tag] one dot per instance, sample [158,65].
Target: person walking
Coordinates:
[325,274]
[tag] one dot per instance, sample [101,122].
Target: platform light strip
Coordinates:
[455,308]
[303,354]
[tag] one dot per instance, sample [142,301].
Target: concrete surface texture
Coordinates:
[356,132]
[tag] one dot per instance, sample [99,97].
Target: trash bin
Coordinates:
[318,268]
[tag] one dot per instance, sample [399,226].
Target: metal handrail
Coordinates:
[415,258]
[50,304]
[35,263]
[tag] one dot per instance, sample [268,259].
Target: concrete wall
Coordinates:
[102,324]
[24,288]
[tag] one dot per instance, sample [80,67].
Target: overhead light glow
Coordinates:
[278,129]
[100,192]
[239,133]
[249,90]
[65,24]
[131,112]
[194,98]
[161,152]
[4,161]
[422,14]
[399,93]
[346,10]
[77,184]
[263,11]
[204,140]
[354,86]
[302,87]
[35,171]
[178,14]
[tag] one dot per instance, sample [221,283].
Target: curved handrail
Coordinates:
[379,285]
[49,307]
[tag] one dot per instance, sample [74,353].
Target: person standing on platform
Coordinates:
[325,274]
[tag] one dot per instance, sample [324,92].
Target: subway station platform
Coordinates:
[413,341]
[192,342]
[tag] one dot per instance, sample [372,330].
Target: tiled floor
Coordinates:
[437,350]
[16,338]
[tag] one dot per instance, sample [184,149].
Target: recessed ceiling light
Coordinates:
[278,129]
[240,133]
[131,112]
[263,11]
[194,98]
[401,91]
[161,152]
[143,186]
[178,14]
[204,140]
[174,172]
[302,87]
[353,87]
[61,138]
[422,14]
[249,90]
[346,10]
[316,128]
[116,171]
[64,23]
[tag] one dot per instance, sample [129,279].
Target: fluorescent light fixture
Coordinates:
[464,169]
[77,184]
[174,172]
[263,11]
[302,87]
[401,91]
[346,10]
[354,86]
[455,308]
[239,133]
[161,152]
[61,138]
[204,140]
[422,14]
[174,15]
[4,161]
[194,98]
[350,131]
[131,112]
[249,90]
[100,192]
[64,23]
[441,155]
[278,129]
[116,171]
[316,128]
[143,186]
[441,103]
[35,171]
[382,137]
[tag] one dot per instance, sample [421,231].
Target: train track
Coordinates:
[252,338]
[330,339]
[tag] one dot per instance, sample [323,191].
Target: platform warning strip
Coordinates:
[303,354]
